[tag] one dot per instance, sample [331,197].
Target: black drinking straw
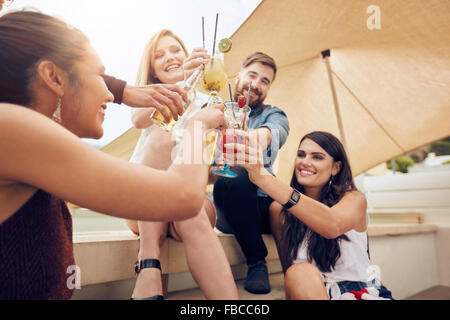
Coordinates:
[203,31]
[215,33]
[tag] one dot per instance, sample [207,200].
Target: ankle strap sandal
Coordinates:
[144,264]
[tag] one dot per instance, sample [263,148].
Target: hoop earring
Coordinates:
[330,183]
[57,114]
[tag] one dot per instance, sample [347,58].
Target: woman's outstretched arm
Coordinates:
[38,152]
[349,213]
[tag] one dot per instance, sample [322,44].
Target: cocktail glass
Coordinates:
[237,118]
[214,79]
[214,76]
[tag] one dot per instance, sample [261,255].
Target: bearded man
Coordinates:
[242,208]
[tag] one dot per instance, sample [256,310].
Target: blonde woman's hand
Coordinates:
[198,58]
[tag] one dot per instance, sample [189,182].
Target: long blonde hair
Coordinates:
[146,74]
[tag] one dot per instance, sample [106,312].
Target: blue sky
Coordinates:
[118,30]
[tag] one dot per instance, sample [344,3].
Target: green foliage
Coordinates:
[424,154]
[415,158]
[401,164]
[441,148]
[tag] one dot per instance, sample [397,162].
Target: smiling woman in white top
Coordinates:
[319,221]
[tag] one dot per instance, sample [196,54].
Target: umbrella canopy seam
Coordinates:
[368,111]
[335,99]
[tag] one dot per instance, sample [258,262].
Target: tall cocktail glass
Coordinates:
[237,118]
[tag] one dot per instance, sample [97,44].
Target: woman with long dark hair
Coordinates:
[49,71]
[319,221]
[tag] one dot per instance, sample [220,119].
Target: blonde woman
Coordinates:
[165,60]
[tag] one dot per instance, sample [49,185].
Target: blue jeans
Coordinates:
[242,212]
[346,286]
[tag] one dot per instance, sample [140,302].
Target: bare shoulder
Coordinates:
[357,203]
[355,196]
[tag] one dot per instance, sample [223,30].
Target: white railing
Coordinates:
[426,192]
[413,262]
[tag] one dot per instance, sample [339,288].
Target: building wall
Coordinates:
[427,192]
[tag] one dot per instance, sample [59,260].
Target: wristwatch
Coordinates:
[295,197]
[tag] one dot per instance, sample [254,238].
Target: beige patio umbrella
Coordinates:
[384,90]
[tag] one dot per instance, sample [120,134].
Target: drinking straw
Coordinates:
[215,32]
[231,99]
[246,102]
[203,31]
[229,89]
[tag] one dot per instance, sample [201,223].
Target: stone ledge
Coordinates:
[110,255]
[395,229]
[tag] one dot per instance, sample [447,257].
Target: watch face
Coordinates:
[296,196]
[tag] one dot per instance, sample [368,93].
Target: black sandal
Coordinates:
[143,264]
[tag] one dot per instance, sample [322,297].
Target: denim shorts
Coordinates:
[346,286]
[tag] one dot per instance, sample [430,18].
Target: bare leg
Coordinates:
[276,221]
[152,234]
[157,154]
[206,258]
[302,281]
[158,149]
[151,238]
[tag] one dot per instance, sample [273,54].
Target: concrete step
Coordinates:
[434,293]
[277,292]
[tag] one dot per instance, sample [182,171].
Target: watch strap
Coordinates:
[293,200]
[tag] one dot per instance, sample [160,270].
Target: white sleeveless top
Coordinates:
[139,149]
[177,130]
[352,265]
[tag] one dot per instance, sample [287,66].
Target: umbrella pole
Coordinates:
[326,56]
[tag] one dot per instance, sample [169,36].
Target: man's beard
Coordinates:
[252,104]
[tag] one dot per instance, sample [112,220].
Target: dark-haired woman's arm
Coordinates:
[116,86]
[37,152]
[349,213]
[149,96]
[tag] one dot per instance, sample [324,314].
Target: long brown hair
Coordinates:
[146,74]
[28,37]
[324,252]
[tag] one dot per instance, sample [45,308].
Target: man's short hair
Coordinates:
[261,58]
